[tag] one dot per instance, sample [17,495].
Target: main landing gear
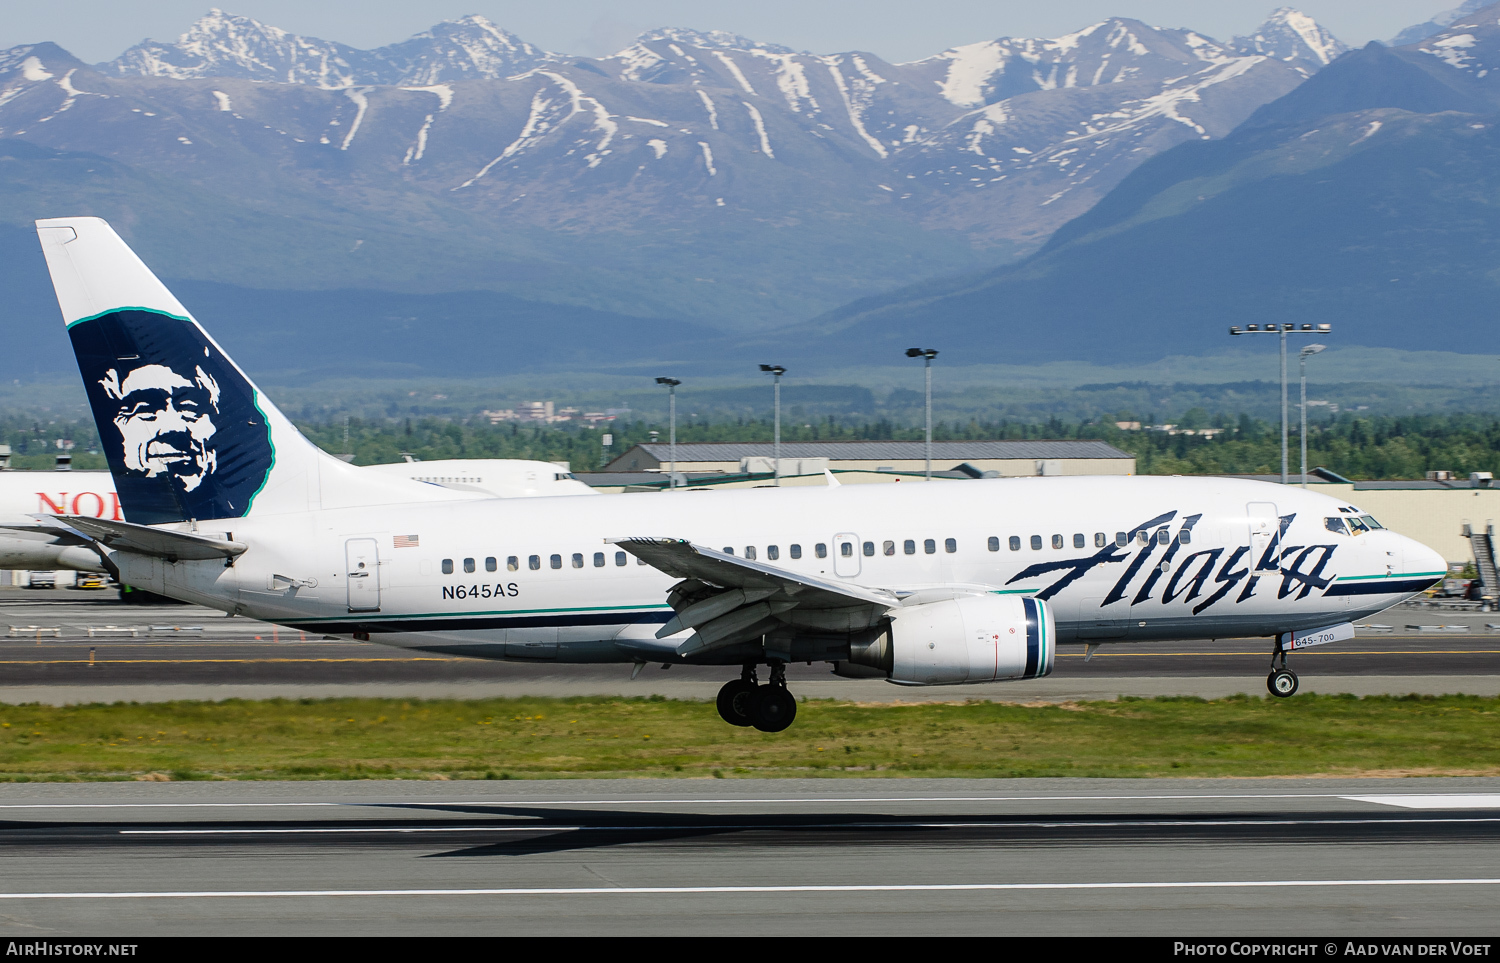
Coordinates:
[1282,682]
[769,707]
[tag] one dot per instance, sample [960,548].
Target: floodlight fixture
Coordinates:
[1283,329]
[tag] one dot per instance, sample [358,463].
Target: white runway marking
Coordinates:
[746,827]
[1435,801]
[737,890]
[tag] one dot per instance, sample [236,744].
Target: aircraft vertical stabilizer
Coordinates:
[187,434]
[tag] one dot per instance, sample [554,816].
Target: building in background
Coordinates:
[1002,458]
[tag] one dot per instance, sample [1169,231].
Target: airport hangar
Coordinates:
[971,459]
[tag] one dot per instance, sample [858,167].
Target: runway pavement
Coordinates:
[1312,857]
[68,646]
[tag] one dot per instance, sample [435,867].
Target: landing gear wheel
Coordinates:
[772,708]
[734,701]
[1282,683]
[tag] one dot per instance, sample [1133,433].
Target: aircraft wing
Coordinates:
[726,599]
[157,542]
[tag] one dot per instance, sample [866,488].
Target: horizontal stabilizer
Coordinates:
[155,542]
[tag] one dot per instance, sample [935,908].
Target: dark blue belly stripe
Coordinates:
[478,623]
[1377,587]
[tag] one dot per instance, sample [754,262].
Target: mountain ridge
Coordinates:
[1361,197]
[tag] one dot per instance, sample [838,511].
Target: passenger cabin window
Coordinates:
[796,550]
[578,560]
[773,552]
[750,551]
[1163,536]
[869,549]
[512,563]
[556,561]
[620,558]
[846,549]
[1335,525]
[1100,540]
[1079,541]
[1036,543]
[490,564]
[1057,541]
[447,566]
[929,546]
[1185,536]
[468,565]
[598,560]
[820,550]
[1143,538]
[728,549]
[950,545]
[909,547]
[534,562]
[993,544]
[1121,539]
[1015,543]
[888,547]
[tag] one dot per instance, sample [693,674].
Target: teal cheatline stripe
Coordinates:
[127,307]
[1014,591]
[1399,575]
[270,440]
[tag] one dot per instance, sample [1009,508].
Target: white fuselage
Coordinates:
[539,579]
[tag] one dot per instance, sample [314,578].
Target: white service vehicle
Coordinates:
[227,505]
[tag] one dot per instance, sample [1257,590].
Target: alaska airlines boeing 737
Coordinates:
[227,505]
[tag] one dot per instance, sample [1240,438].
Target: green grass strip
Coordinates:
[616,737]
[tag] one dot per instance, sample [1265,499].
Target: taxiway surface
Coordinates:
[742,857]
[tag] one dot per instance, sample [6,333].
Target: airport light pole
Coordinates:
[926,354]
[776,371]
[1283,330]
[671,384]
[1302,356]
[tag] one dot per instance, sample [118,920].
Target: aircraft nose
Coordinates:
[1421,560]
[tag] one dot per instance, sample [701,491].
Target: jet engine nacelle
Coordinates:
[977,638]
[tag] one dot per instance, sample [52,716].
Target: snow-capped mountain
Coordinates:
[225,45]
[1470,45]
[1440,22]
[683,132]
[1293,38]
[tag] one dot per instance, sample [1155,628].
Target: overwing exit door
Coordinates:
[362,565]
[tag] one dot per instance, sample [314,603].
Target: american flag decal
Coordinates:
[406,541]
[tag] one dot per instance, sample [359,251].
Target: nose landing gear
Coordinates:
[769,707]
[1282,682]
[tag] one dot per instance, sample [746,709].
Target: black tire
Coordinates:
[734,702]
[772,708]
[1282,683]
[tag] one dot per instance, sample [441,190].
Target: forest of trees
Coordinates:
[1357,447]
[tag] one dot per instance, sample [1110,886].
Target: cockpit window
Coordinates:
[1335,524]
[1357,525]
[1370,521]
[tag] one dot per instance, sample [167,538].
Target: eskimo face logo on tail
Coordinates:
[166,422]
[178,422]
